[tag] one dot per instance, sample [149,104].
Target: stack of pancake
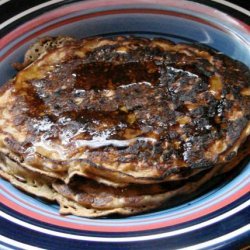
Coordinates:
[121,125]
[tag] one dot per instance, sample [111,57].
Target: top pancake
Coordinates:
[126,110]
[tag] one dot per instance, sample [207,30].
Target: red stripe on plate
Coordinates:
[88,5]
[24,201]
[87,16]
[135,227]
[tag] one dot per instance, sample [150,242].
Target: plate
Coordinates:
[217,219]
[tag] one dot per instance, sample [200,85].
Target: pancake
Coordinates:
[129,110]
[40,186]
[84,197]
[121,125]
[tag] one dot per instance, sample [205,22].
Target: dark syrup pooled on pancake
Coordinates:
[90,96]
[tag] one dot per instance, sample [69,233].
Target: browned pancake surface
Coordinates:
[126,109]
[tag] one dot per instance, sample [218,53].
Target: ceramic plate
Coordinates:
[217,219]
